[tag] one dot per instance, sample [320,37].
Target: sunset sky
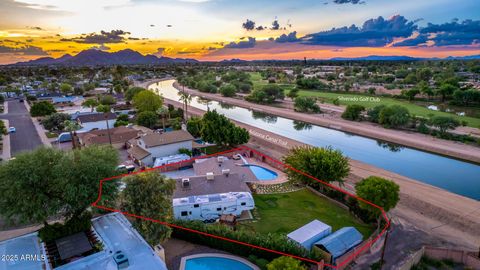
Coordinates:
[246,29]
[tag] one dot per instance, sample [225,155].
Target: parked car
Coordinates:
[64,137]
[20,100]
[12,130]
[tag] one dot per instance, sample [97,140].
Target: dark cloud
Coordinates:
[275,25]
[341,2]
[114,36]
[374,33]
[36,28]
[250,43]
[260,28]
[291,37]
[452,33]
[248,25]
[27,50]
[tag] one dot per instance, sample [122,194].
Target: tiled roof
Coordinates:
[138,152]
[96,117]
[156,139]
[118,135]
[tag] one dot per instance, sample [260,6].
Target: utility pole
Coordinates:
[108,129]
[383,248]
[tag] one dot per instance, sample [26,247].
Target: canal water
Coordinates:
[450,174]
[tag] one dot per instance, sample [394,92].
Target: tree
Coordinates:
[411,93]
[71,127]
[107,100]
[424,88]
[379,191]
[186,98]
[394,116]
[325,164]
[228,90]
[163,112]
[42,108]
[66,88]
[217,128]
[445,90]
[132,91]
[374,113]
[306,104]
[353,112]
[194,126]
[267,94]
[90,103]
[36,185]
[147,101]
[293,93]
[149,194]
[444,123]
[285,263]
[55,122]
[147,119]
[103,108]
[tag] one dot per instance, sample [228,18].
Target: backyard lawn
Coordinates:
[284,213]
[368,103]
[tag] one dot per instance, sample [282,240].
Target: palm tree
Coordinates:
[162,111]
[92,103]
[72,126]
[186,98]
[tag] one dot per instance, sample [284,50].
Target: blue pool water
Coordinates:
[263,174]
[215,263]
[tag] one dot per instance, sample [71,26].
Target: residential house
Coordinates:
[155,145]
[96,121]
[118,136]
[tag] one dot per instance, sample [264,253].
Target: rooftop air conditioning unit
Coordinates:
[226,172]
[121,260]
[210,176]
[220,159]
[185,182]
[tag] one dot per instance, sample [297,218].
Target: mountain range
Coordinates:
[96,57]
[130,57]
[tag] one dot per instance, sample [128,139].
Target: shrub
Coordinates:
[42,108]
[147,119]
[228,90]
[271,241]
[374,113]
[185,151]
[306,104]
[353,112]
[394,116]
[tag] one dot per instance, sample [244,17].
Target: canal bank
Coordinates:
[447,216]
[414,140]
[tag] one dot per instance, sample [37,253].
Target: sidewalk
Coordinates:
[40,130]
[6,154]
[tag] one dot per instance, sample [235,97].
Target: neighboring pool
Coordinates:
[215,262]
[262,174]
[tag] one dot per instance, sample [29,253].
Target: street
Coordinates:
[26,137]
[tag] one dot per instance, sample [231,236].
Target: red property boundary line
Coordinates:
[245,148]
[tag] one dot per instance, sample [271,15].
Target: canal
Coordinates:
[447,173]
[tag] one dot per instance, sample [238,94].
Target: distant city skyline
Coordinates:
[250,30]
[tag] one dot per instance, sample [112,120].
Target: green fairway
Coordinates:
[284,213]
[372,101]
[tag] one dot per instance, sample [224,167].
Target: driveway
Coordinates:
[26,138]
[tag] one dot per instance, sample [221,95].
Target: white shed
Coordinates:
[310,233]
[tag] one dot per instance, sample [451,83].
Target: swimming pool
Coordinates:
[262,174]
[215,262]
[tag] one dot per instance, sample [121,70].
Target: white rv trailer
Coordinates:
[212,206]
